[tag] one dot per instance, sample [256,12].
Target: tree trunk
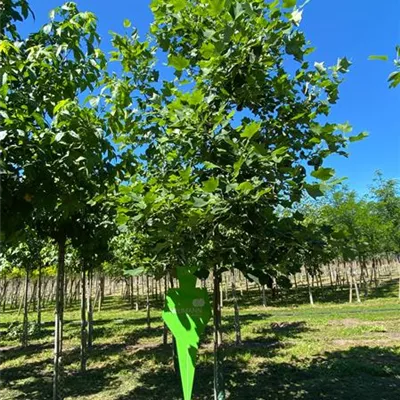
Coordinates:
[219,387]
[4,298]
[102,290]
[174,350]
[355,283]
[90,310]
[310,294]
[25,320]
[148,303]
[264,298]
[137,294]
[21,303]
[351,289]
[83,352]
[33,298]
[131,299]
[58,390]
[238,336]
[39,297]
[165,328]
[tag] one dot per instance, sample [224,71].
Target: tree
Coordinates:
[228,138]
[56,157]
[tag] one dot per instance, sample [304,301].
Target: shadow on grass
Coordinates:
[143,333]
[360,373]
[14,352]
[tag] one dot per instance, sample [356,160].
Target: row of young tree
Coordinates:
[211,168]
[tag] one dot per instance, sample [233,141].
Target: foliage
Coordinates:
[227,140]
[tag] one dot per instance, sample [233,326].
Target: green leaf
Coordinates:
[3,134]
[297,15]
[122,219]
[280,151]
[39,119]
[179,5]
[59,136]
[238,10]
[323,174]
[47,28]
[314,190]
[60,105]
[94,101]
[250,130]
[360,136]
[394,79]
[196,98]
[127,23]
[289,3]
[245,187]
[343,64]
[237,165]
[185,174]
[178,62]
[380,58]
[210,185]
[216,7]
[319,66]
[199,202]
[210,165]
[345,128]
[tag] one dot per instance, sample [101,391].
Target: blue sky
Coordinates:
[351,28]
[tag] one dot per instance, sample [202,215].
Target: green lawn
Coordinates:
[333,350]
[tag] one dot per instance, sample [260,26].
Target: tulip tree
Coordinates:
[229,138]
[56,158]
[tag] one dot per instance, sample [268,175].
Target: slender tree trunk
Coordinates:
[174,350]
[90,310]
[148,303]
[21,303]
[58,389]
[39,297]
[132,302]
[4,298]
[137,294]
[355,283]
[330,275]
[33,298]
[25,320]
[165,328]
[238,336]
[102,291]
[219,387]
[264,297]
[310,294]
[84,335]
[226,287]
[16,295]
[351,289]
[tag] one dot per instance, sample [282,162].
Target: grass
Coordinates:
[290,350]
